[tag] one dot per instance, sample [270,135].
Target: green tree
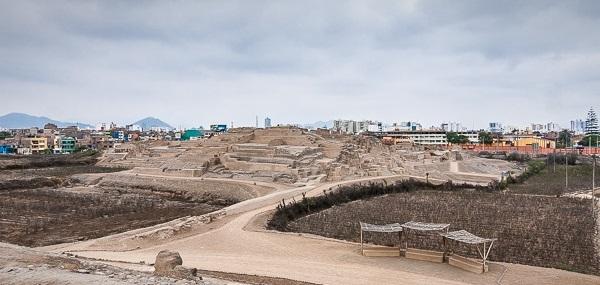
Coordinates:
[455,138]
[485,138]
[564,139]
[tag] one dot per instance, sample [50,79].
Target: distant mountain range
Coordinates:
[23,121]
[319,124]
[151,122]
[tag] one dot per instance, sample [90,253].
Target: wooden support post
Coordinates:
[401,233]
[484,257]
[486,253]
[399,240]
[361,242]
[445,248]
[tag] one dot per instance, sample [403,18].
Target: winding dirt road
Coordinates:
[239,245]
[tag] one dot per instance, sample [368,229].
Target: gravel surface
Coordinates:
[23,266]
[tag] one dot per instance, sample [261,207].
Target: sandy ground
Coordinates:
[237,247]
[24,266]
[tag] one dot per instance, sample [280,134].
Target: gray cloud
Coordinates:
[193,62]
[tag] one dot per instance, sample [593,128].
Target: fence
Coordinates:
[532,150]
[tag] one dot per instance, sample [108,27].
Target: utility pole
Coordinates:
[566,165]
[554,156]
[594,186]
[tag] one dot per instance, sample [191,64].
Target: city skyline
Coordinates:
[576,125]
[195,63]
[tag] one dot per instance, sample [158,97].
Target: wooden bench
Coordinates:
[381,251]
[425,255]
[468,264]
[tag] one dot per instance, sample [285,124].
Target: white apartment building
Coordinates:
[352,127]
[405,127]
[451,127]
[578,126]
[545,128]
[428,137]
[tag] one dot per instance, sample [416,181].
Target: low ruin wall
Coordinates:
[168,172]
[249,166]
[533,230]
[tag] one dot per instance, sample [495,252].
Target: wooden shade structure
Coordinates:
[421,254]
[389,228]
[483,245]
[424,227]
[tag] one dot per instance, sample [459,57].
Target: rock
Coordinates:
[169,264]
[181,272]
[166,261]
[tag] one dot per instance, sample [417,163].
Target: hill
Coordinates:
[319,124]
[151,122]
[22,121]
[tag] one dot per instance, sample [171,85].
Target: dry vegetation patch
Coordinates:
[551,182]
[48,160]
[47,205]
[533,230]
[39,217]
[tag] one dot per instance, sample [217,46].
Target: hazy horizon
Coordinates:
[198,63]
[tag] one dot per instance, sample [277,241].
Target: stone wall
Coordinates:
[233,163]
[533,230]
[168,172]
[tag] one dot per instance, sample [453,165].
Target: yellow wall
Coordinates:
[529,141]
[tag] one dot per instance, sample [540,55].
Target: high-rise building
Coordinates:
[267,122]
[352,127]
[537,127]
[552,127]
[496,127]
[451,127]
[578,126]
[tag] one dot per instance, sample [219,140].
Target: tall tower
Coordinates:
[257,122]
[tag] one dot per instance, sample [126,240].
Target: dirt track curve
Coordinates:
[240,245]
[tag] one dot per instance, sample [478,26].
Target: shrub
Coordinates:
[287,212]
[520,157]
[560,158]
[534,167]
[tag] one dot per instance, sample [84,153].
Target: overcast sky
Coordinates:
[195,63]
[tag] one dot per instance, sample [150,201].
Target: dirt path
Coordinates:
[234,248]
[454,168]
